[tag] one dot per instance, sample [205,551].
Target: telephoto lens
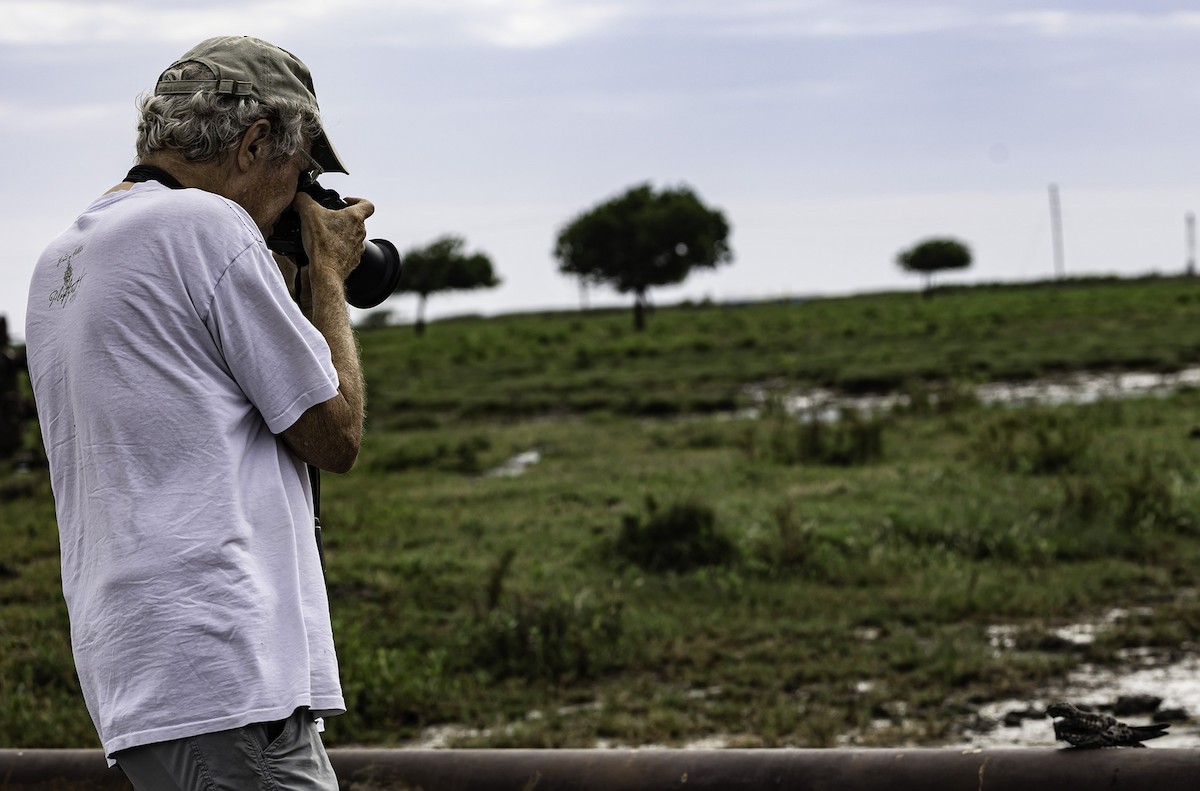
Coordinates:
[378,271]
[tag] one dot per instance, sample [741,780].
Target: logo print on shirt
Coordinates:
[70,285]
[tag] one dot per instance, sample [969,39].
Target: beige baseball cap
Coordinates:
[247,66]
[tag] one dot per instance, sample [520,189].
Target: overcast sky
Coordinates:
[833,134]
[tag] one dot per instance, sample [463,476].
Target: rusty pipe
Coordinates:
[653,769]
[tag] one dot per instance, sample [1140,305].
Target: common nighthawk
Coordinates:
[1090,730]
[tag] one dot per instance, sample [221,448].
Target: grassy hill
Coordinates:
[685,559]
[698,358]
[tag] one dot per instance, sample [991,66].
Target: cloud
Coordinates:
[529,24]
[504,23]
[835,20]
[539,23]
[874,19]
[501,23]
[1068,23]
[57,22]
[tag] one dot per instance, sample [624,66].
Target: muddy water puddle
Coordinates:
[1078,388]
[516,466]
[1149,685]
[1173,680]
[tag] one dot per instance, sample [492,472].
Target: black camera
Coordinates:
[378,271]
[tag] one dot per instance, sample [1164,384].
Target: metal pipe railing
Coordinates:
[654,769]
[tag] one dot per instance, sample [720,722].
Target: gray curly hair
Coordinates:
[204,127]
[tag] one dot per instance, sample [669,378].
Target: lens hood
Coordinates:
[376,276]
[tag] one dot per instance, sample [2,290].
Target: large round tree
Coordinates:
[443,265]
[642,239]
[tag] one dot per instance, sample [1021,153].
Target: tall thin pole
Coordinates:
[1056,228]
[1191,244]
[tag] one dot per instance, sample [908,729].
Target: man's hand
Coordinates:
[333,238]
[329,434]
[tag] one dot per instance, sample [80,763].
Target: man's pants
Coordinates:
[268,756]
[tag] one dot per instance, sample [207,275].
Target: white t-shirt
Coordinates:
[165,355]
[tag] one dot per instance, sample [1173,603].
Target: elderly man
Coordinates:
[181,392]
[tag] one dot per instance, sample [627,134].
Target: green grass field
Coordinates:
[676,567]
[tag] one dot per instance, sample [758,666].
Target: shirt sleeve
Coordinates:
[278,358]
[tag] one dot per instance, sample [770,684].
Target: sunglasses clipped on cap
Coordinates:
[309,175]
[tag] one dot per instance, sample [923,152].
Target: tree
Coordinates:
[642,239]
[443,265]
[934,255]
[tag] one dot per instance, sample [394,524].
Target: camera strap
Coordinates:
[141,173]
[314,478]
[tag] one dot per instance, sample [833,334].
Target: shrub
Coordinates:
[1037,441]
[1145,496]
[556,638]
[389,688]
[1123,508]
[791,544]
[681,538]
[850,440]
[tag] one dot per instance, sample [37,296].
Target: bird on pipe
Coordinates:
[1090,730]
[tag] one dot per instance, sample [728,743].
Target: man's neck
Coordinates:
[205,176]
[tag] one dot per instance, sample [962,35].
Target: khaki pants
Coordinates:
[268,756]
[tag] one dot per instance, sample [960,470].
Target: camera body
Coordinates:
[378,271]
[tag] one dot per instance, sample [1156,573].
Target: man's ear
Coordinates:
[256,143]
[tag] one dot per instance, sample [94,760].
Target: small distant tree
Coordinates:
[934,255]
[643,239]
[443,265]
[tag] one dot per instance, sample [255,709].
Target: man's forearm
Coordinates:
[331,318]
[328,435]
